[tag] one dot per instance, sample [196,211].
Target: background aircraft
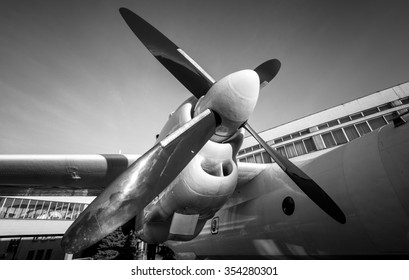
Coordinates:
[171,204]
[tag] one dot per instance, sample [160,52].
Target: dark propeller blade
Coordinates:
[184,68]
[135,188]
[267,71]
[302,180]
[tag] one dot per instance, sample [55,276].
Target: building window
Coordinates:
[339,136]
[39,255]
[287,137]
[266,157]
[278,140]
[255,147]
[405,100]
[48,254]
[309,145]
[2,202]
[13,210]
[328,139]
[304,132]
[290,150]
[300,148]
[333,123]
[70,211]
[19,210]
[295,135]
[44,212]
[322,126]
[356,116]
[251,159]
[76,211]
[37,209]
[13,245]
[31,209]
[389,117]
[385,107]
[30,255]
[344,119]
[351,132]
[64,210]
[370,111]
[258,158]
[377,122]
[281,150]
[24,207]
[363,128]
[52,206]
[7,205]
[318,142]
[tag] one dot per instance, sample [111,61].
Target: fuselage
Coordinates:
[367,178]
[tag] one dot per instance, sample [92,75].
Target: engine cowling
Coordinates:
[199,191]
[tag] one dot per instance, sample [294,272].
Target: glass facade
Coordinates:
[328,139]
[334,133]
[22,208]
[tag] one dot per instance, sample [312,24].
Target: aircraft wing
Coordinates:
[63,175]
[80,175]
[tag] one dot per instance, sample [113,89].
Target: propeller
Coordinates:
[302,180]
[190,74]
[148,176]
[267,71]
[141,182]
[182,67]
[179,63]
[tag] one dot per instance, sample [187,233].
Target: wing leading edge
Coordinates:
[63,175]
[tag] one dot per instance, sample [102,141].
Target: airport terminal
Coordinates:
[32,227]
[331,127]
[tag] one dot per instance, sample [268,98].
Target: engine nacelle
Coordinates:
[200,190]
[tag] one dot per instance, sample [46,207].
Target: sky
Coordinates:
[75,80]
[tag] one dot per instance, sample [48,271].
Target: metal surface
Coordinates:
[139,184]
[369,178]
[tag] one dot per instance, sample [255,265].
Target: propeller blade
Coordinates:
[267,71]
[302,180]
[135,188]
[184,68]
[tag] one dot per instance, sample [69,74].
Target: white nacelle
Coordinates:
[203,187]
[200,190]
